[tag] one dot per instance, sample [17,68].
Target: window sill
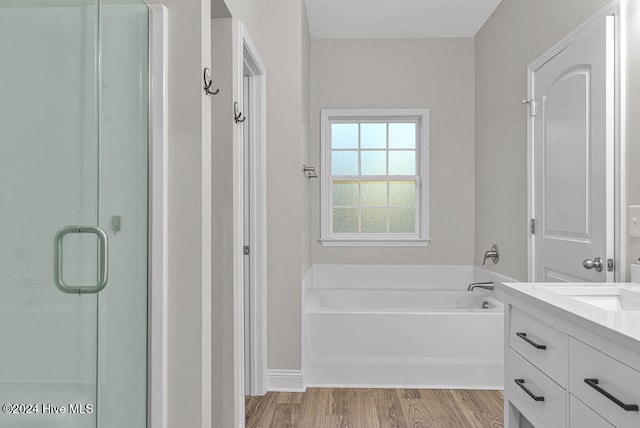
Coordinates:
[330,242]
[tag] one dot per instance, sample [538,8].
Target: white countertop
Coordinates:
[557,296]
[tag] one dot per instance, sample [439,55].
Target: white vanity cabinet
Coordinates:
[569,364]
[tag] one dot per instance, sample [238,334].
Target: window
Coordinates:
[375,177]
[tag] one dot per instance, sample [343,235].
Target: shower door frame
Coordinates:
[158,218]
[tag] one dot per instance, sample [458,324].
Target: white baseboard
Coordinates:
[285,380]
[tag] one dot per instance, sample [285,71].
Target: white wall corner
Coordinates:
[285,380]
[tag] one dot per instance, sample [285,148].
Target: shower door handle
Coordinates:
[103,260]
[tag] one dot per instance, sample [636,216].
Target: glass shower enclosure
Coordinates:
[74,79]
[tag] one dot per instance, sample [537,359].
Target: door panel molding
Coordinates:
[554,146]
[552,275]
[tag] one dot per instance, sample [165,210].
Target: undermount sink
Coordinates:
[607,298]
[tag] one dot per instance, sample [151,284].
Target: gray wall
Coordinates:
[433,73]
[285,182]
[280,33]
[306,105]
[515,35]
[222,223]
[252,13]
[189,138]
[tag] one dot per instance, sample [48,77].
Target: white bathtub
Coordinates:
[421,330]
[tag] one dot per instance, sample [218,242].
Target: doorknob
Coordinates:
[593,264]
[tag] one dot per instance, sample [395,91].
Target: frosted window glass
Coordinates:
[345,193]
[402,193]
[373,163]
[402,220]
[373,135]
[344,163]
[345,220]
[344,135]
[374,193]
[402,162]
[374,220]
[402,135]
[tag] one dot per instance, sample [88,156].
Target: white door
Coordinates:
[572,151]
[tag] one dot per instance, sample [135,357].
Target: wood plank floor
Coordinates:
[375,408]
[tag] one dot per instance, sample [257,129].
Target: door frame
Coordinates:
[616,230]
[247,57]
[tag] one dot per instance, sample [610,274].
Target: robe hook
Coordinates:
[208,82]
[237,114]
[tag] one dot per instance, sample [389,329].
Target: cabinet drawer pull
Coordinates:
[524,337]
[520,383]
[593,383]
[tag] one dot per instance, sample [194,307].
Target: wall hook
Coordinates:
[309,171]
[237,114]
[208,82]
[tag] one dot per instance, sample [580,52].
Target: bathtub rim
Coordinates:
[313,306]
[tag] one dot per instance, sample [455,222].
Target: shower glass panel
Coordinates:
[73,152]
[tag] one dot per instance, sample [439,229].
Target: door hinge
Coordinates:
[532,106]
[246,250]
[532,226]
[611,264]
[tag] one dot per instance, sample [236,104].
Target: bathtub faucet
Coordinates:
[486,285]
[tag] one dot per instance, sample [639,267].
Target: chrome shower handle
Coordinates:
[493,254]
[103,260]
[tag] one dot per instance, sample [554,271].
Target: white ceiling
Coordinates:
[383,19]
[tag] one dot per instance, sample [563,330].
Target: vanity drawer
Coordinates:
[580,416]
[542,396]
[542,345]
[599,380]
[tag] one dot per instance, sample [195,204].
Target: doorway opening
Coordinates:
[251,121]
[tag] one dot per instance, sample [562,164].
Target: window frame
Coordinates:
[422,118]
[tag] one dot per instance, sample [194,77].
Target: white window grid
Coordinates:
[418,116]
